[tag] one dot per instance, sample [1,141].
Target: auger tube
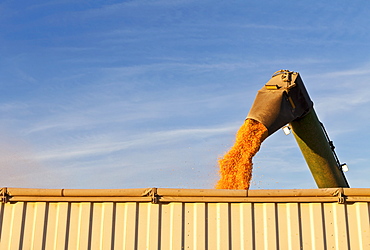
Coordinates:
[317,152]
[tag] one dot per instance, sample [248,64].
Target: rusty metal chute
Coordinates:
[284,100]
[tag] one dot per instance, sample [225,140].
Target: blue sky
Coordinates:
[126,94]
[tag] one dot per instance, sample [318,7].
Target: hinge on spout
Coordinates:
[286,76]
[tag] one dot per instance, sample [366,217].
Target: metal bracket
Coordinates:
[4,195]
[286,76]
[155,196]
[152,192]
[341,197]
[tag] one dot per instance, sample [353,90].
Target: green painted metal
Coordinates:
[317,152]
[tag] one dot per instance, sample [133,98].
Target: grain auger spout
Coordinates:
[284,100]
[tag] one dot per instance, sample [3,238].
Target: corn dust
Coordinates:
[236,165]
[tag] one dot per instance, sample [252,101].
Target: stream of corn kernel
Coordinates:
[236,165]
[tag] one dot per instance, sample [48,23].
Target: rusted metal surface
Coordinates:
[318,221]
[281,100]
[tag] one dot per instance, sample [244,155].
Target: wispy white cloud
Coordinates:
[11,107]
[183,67]
[127,7]
[349,72]
[344,92]
[111,143]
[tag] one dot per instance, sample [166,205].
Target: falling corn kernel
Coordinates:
[236,164]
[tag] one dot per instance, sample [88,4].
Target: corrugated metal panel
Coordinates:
[184,225]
